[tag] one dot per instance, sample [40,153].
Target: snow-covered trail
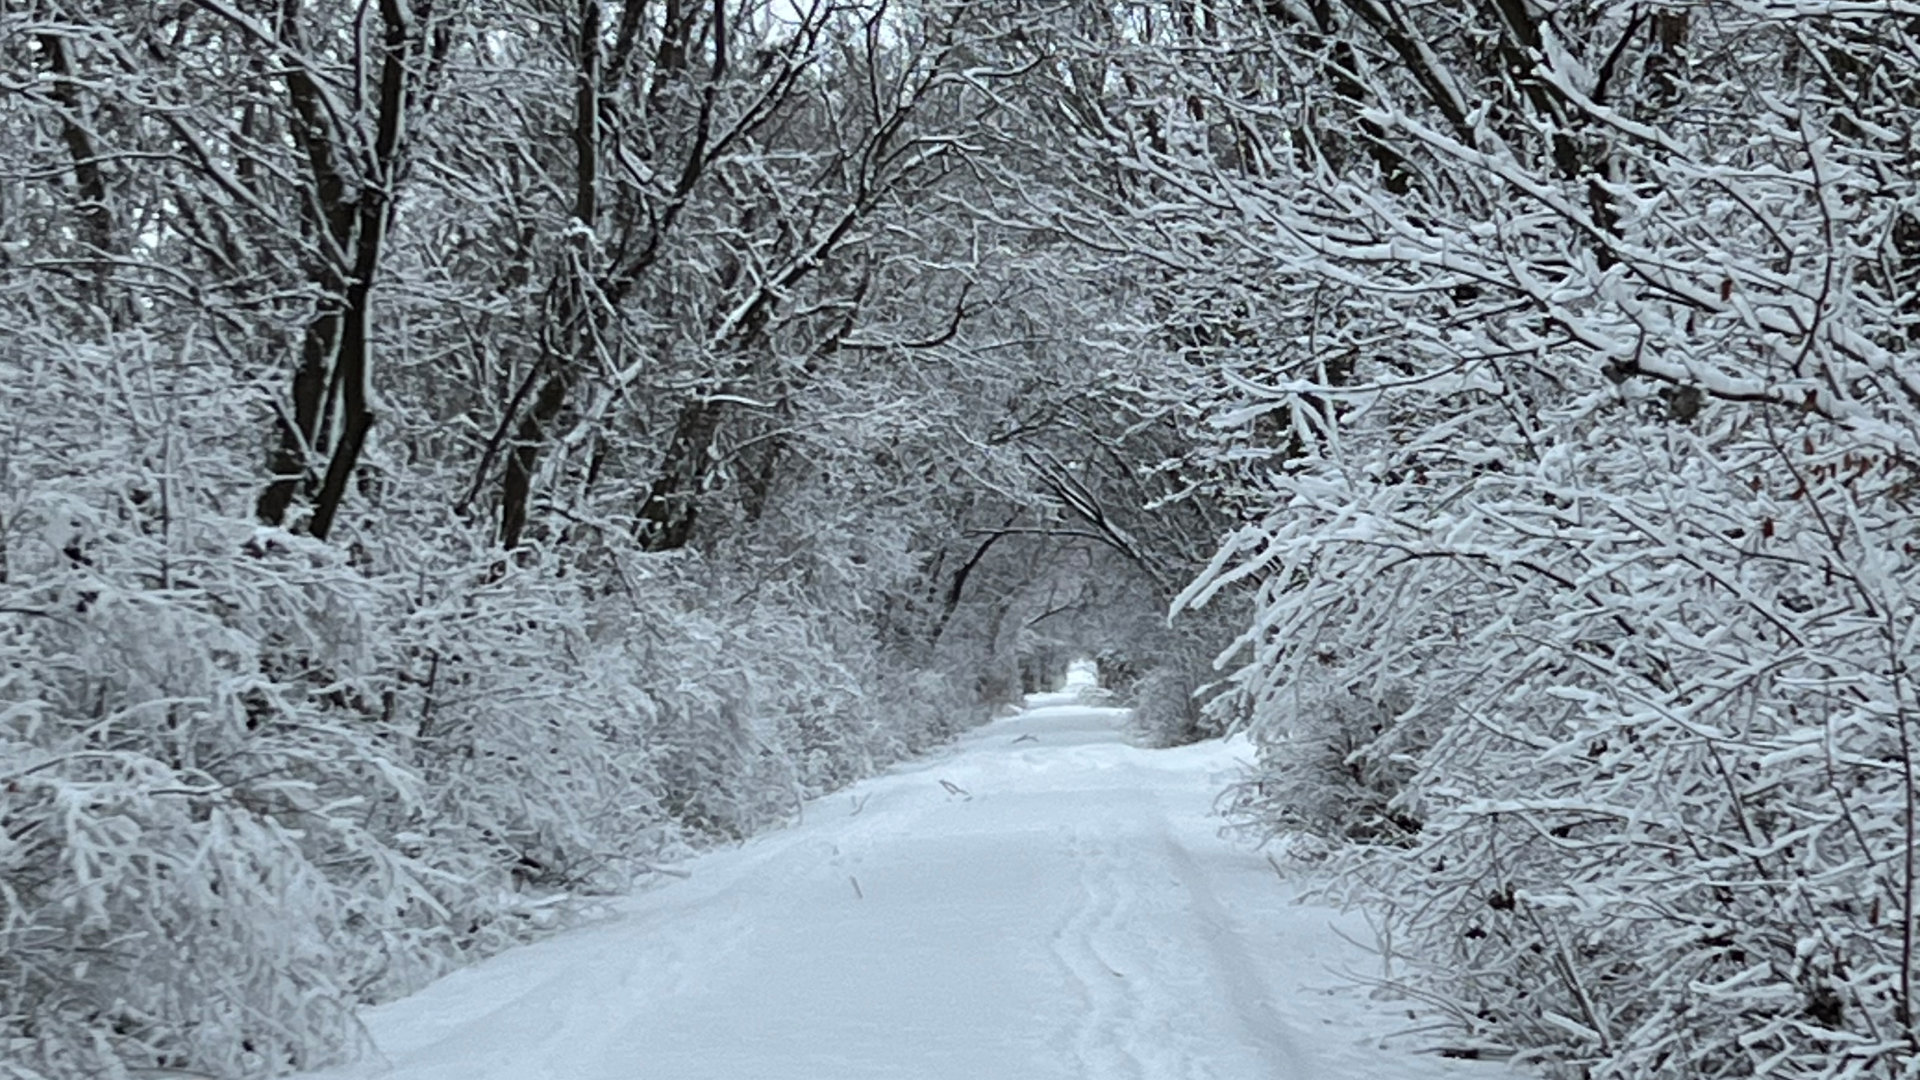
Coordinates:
[1042,901]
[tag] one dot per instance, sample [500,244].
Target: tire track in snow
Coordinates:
[1171,983]
[1170,971]
[1234,972]
[1101,1041]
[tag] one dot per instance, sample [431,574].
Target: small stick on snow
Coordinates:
[855,882]
[955,789]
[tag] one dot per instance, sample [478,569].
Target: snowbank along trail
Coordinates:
[1041,901]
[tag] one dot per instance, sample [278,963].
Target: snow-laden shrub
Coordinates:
[1120,671]
[1338,770]
[778,698]
[245,799]
[998,686]
[1164,712]
[1168,682]
[174,813]
[1665,826]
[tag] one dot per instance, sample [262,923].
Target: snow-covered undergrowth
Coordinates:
[249,781]
[1648,806]
[1623,729]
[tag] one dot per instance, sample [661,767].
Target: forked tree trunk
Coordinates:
[332,387]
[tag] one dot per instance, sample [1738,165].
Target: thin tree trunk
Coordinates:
[90,182]
[301,437]
[96,222]
[579,324]
[353,373]
[516,486]
[668,513]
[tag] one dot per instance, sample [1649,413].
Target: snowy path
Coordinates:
[1042,901]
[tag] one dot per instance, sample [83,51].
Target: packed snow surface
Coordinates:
[1041,901]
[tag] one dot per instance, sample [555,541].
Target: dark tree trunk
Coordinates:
[96,221]
[332,387]
[672,503]
[301,434]
[516,485]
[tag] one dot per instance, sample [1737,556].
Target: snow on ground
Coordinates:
[1041,901]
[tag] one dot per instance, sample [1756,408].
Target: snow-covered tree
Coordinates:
[1559,360]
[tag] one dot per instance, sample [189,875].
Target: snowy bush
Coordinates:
[1340,769]
[1162,708]
[1172,705]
